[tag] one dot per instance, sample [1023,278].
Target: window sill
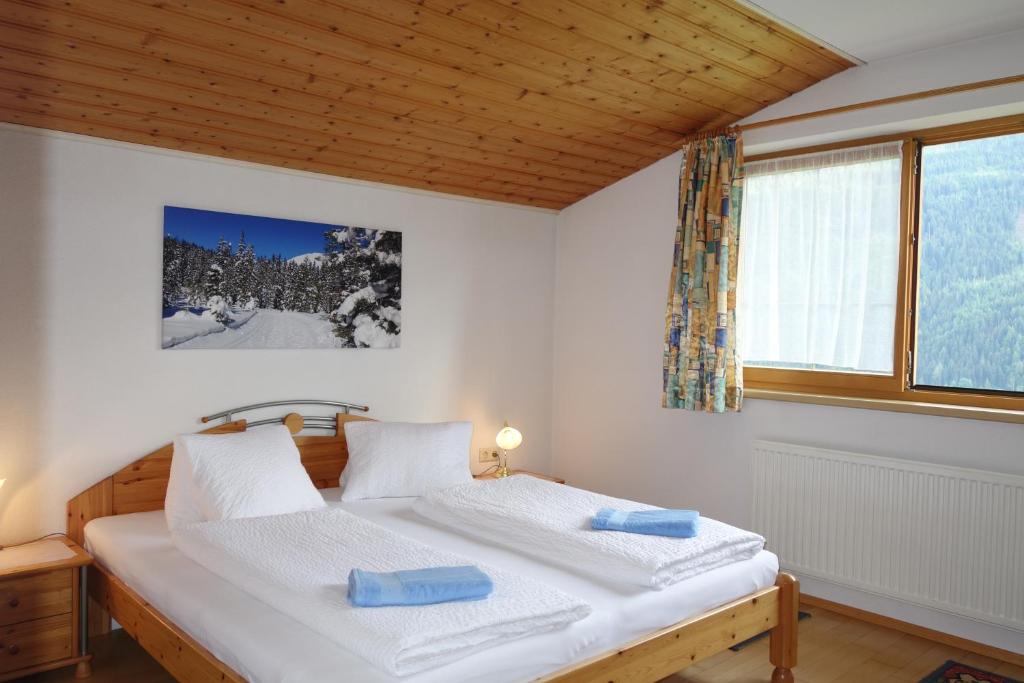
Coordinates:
[969,412]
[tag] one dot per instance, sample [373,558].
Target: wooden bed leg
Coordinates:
[83,669]
[784,636]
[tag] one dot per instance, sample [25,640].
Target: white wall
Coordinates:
[610,433]
[85,387]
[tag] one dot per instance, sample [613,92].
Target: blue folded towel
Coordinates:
[417,586]
[677,523]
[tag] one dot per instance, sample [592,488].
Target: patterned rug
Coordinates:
[955,672]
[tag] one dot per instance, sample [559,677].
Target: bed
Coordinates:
[201,628]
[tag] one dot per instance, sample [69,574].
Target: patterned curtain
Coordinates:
[702,368]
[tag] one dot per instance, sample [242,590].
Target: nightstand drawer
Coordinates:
[35,597]
[35,642]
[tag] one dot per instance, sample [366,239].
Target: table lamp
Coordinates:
[508,439]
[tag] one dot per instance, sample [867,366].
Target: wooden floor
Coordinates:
[117,659]
[839,649]
[833,649]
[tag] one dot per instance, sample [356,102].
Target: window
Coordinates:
[820,260]
[970,284]
[889,269]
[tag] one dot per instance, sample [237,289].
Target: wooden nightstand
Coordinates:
[41,588]
[490,475]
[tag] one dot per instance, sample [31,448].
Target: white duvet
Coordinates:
[298,563]
[551,522]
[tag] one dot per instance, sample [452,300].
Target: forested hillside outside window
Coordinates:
[970,322]
[888,269]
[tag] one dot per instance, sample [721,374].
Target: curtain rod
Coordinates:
[920,95]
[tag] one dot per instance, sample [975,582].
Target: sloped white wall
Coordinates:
[971,61]
[610,433]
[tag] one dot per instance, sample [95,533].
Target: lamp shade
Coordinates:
[509,438]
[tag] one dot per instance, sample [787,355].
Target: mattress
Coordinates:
[266,646]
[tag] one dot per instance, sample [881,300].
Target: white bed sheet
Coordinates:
[266,646]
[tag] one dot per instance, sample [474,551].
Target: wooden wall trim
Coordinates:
[881,102]
[890,405]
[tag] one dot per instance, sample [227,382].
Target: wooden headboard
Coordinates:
[142,485]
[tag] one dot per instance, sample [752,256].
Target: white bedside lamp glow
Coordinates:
[507,439]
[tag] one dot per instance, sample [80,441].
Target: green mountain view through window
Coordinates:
[970,320]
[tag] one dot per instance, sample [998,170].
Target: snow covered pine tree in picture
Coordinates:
[282,284]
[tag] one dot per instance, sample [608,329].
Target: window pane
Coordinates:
[970,322]
[819,258]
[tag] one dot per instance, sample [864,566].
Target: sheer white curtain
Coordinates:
[818,268]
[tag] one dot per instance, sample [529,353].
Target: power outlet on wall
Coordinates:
[488,455]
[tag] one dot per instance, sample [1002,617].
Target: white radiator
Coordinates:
[942,537]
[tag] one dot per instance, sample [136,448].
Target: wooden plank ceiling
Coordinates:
[538,102]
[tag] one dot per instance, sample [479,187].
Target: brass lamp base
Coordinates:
[503,470]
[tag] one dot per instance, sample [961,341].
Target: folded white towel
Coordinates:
[552,522]
[298,563]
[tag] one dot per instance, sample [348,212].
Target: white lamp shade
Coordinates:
[509,438]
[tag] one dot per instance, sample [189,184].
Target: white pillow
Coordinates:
[249,474]
[181,505]
[399,459]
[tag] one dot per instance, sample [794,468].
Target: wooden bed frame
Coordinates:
[142,486]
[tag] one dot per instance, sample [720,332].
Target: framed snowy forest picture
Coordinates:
[232,281]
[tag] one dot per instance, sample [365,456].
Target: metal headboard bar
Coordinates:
[309,422]
[228,414]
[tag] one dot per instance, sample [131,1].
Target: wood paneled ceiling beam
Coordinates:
[309,111]
[501,68]
[734,85]
[526,101]
[262,36]
[297,156]
[473,48]
[88,40]
[42,119]
[252,54]
[597,56]
[299,141]
[737,22]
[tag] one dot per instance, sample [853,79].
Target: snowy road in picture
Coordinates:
[284,284]
[272,329]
